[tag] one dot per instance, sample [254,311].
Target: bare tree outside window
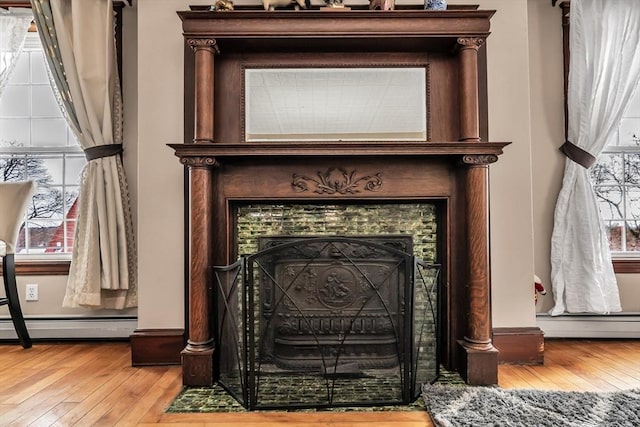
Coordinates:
[49,202]
[616,182]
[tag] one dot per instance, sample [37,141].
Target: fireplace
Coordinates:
[240,167]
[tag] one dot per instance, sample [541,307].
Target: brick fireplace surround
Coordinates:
[449,168]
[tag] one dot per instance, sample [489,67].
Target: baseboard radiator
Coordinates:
[54,328]
[616,325]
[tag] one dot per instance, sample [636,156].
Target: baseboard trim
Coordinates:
[616,325]
[524,346]
[156,346]
[70,328]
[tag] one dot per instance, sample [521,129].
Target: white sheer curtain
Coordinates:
[80,45]
[13,30]
[605,68]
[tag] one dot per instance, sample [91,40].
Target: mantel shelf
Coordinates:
[333,149]
[354,30]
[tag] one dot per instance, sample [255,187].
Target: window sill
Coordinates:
[624,266]
[41,268]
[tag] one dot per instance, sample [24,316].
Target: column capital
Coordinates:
[197,44]
[479,159]
[470,43]
[199,161]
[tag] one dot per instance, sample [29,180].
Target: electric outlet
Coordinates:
[32,292]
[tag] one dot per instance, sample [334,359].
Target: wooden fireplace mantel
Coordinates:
[282,29]
[387,149]
[450,167]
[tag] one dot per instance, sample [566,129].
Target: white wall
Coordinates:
[547,133]
[160,175]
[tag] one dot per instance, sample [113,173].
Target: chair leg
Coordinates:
[10,287]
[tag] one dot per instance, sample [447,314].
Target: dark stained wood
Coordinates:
[152,347]
[450,168]
[519,345]
[481,356]
[311,23]
[626,265]
[205,50]
[331,149]
[469,94]
[478,287]
[41,268]
[566,7]
[271,179]
[18,3]
[197,355]
[478,366]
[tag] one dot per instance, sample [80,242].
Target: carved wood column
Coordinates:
[480,356]
[205,51]
[197,357]
[469,101]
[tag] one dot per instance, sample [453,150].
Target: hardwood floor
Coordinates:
[93,384]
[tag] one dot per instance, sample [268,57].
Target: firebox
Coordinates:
[327,321]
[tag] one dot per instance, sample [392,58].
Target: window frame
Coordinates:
[623,262]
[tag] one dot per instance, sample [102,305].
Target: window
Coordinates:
[37,144]
[616,182]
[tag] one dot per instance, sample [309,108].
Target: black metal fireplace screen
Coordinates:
[327,321]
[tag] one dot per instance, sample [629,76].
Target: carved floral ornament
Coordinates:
[337,181]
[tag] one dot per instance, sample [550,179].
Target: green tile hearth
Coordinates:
[216,399]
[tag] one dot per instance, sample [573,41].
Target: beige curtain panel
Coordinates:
[80,43]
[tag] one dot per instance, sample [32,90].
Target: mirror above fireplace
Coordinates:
[335,104]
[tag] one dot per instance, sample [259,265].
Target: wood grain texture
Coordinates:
[156,346]
[519,345]
[41,268]
[469,95]
[83,384]
[479,285]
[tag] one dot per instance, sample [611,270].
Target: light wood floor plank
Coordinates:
[93,384]
[158,408]
[53,396]
[113,407]
[53,415]
[170,379]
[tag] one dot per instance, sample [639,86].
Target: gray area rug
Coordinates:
[452,406]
